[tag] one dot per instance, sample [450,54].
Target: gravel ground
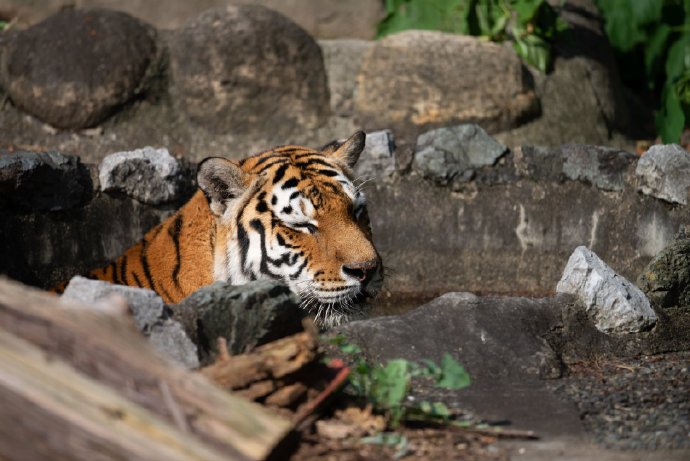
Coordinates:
[641,403]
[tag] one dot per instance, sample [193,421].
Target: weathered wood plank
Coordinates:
[107,348]
[49,411]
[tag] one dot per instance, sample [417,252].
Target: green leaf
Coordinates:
[625,20]
[682,88]
[655,49]
[453,375]
[350,349]
[678,57]
[391,383]
[670,120]
[534,51]
[526,9]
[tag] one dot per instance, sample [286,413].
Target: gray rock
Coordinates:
[343,59]
[430,79]
[448,155]
[247,69]
[43,181]
[146,306]
[499,341]
[539,163]
[168,337]
[377,161]
[150,314]
[604,167]
[664,172]
[615,305]
[666,279]
[246,316]
[76,67]
[149,175]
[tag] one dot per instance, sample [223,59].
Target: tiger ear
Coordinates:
[221,181]
[347,151]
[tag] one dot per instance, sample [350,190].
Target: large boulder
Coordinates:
[343,59]
[76,67]
[429,79]
[582,98]
[247,69]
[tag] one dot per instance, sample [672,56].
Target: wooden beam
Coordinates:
[106,348]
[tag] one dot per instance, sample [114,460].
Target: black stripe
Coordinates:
[268,166]
[280,172]
[329,173]
[175,234]
[136,280]
[292,182]
[287,209]
[299,270]
[116,279]
[263,267]
[243,240]
[314,161]
[123,269]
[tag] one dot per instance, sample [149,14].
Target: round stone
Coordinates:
[248,69]
[76,67]
[431,79]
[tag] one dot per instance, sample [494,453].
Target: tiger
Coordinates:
[292,214]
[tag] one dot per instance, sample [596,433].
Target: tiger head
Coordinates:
[294,214]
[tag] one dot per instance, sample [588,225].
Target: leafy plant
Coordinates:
[652,43]
[386,387]
[530,24]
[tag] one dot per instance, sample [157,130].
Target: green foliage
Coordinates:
[386,387]
[652,41]
[530,24]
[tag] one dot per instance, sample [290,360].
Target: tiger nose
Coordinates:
[362,271]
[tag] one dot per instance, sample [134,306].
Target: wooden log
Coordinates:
[108,349]
[49,411]
[274,360]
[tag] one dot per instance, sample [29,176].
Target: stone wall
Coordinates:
[505,224]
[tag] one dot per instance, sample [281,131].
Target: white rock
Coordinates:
[149,175]
[615,305]
[664,172]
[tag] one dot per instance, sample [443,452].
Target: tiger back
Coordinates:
[291,214]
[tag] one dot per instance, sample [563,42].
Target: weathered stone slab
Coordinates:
[149,175]
[247,69]
[614,304]
[449,155]
[76,67]
[42,181]
[430,79]
[664,172]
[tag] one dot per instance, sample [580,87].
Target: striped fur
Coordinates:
[291,214]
